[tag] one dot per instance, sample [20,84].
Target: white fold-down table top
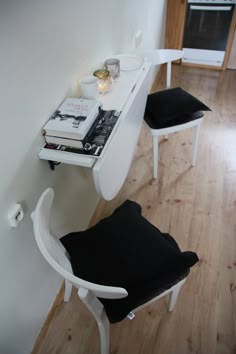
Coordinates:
[128,95]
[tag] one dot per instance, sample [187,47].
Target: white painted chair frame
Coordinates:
[162,56]
[56,255]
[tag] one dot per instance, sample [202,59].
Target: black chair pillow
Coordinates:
[171,104]
[125,250]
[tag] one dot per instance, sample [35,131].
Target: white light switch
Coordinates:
[138,39]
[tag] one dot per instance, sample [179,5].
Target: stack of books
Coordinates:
[71,122]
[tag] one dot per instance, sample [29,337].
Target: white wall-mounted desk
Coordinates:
[129,95]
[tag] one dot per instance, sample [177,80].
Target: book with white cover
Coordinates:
[73,118]
[64,141]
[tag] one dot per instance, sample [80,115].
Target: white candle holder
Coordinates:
[89,87]
[105,81]
[113,66]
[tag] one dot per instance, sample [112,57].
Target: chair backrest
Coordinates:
[163,56]
[56,255]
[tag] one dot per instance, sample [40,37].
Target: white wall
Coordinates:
[46,47]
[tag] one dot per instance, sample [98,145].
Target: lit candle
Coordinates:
[104,80]
[101,87]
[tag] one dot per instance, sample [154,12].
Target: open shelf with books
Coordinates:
[94,141]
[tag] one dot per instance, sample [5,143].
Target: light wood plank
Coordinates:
[232,56]
[175,20]
[230,40]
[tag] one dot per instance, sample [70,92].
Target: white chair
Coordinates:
[162,56]
[56,255]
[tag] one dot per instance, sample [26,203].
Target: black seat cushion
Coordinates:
[172,107]
[125,250]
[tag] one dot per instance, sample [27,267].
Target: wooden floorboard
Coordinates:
[198,207]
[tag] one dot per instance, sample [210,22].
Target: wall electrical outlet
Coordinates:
[15,215]
[138,37]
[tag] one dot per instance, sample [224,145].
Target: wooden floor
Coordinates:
[198,207]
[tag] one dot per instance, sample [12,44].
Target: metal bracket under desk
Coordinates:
[129,95]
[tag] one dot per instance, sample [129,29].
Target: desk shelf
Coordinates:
[129,96]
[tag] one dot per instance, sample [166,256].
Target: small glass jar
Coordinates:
[113,65]
[105,81]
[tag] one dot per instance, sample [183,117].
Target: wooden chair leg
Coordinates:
[195,143]
[155,155]
[174,295]
[68,289]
